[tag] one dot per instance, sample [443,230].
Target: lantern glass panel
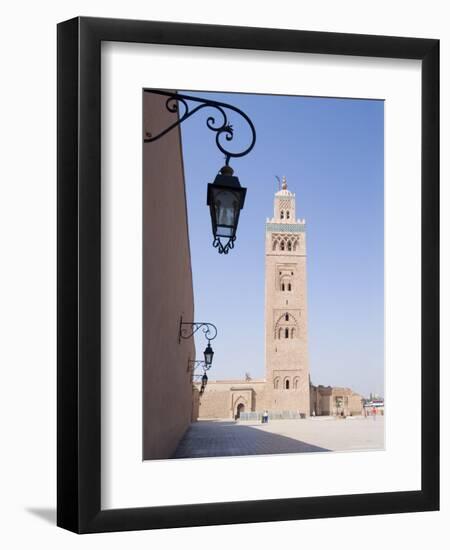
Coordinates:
[227,206]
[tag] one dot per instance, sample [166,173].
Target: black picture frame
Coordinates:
[79,281]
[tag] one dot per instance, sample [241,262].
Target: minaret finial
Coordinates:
[284,183]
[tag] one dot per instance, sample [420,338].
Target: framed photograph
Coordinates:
[248,275]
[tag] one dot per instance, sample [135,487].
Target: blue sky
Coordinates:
[332,154]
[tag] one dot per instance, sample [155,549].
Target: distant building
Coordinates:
[286,391]
[374,406]
[327,400]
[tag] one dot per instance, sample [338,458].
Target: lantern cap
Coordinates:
[226,181]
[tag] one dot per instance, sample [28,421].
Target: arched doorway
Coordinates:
[240,409]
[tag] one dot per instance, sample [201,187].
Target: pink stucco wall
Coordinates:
[167,288]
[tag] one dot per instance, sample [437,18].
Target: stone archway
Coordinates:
[240,396]
[239,410]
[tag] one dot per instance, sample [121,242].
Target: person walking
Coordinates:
[265,417]
[374,413]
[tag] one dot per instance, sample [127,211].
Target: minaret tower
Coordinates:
[287,369]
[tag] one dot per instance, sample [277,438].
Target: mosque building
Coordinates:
[286,391]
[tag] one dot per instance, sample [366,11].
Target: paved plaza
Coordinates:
[207,438]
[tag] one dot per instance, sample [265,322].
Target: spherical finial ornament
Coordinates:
[284,183]
[226,170]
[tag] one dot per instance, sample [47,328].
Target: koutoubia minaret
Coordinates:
[287,369]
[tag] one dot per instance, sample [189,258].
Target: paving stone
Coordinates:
[207,438]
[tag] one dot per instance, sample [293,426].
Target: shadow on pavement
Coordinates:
[229,439]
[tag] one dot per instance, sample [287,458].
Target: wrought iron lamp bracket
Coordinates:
[193,364]
[188,329]
[222,129]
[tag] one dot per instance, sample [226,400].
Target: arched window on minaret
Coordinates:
[287,214]
[286,317]
[292,332]
[289,246]
[282,215]
[274,246]
[276,383]
[280,332]
[282,245]
[286,384]
[282,287]
[296,383]
[286,332]
[289,286]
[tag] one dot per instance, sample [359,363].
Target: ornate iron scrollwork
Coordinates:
[194,364]
[224,249]
[188,329]
[222,128]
